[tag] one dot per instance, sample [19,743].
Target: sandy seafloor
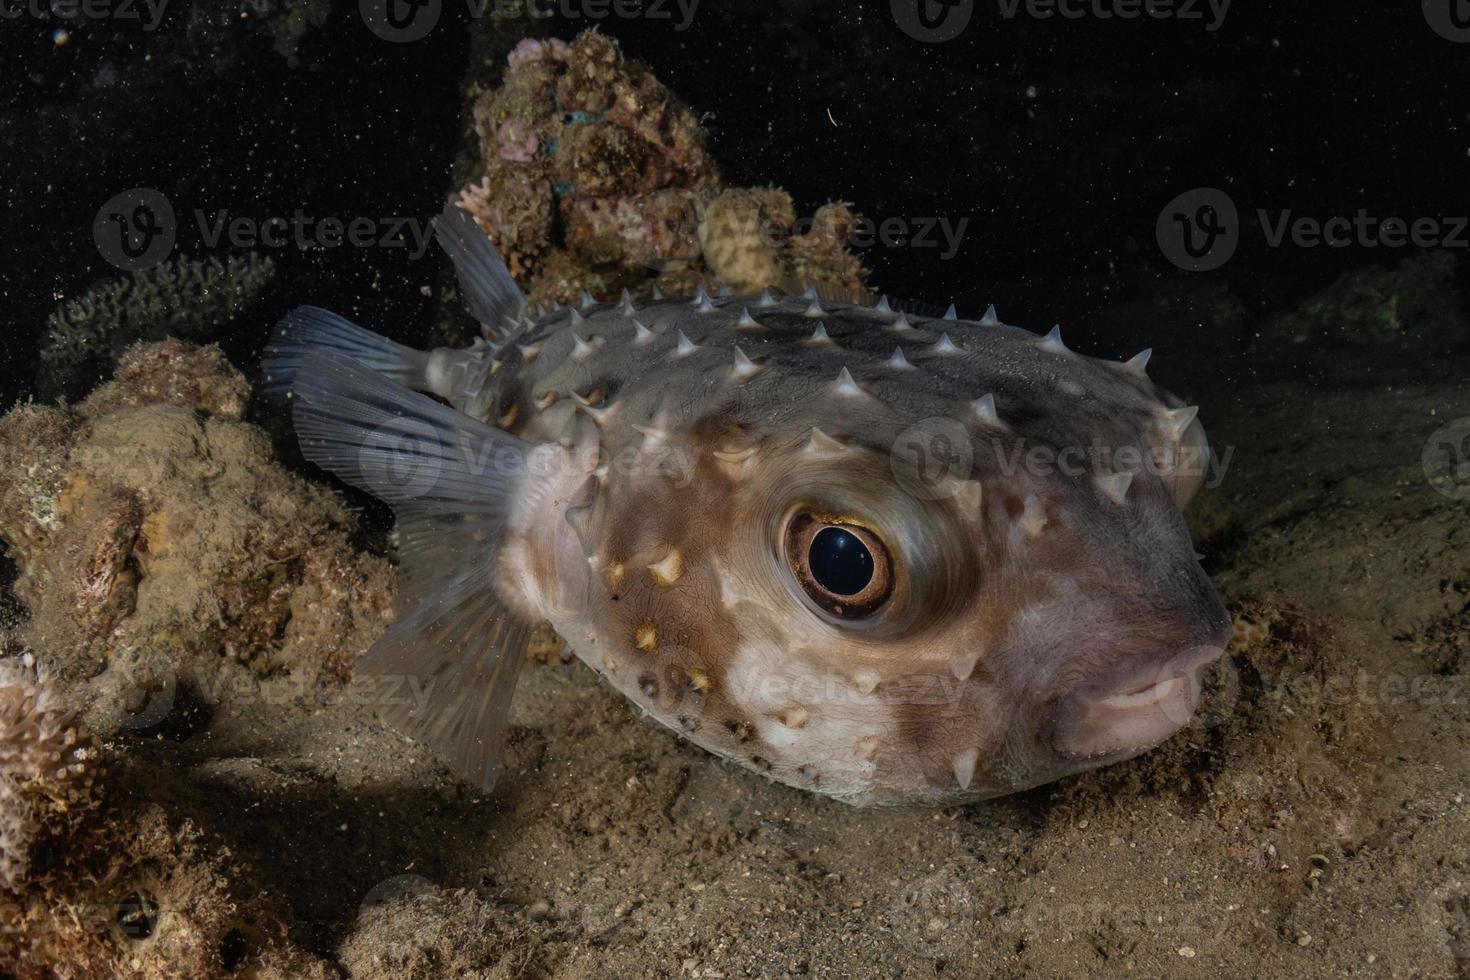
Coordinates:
[1313,824]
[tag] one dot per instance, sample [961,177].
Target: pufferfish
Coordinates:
[885,557]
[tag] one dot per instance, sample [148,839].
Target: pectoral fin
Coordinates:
[452,481]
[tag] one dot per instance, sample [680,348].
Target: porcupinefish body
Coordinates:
[883,557]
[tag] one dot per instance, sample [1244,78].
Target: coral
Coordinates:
[156,538]
[742,233]
[1415,304]
[138,894]
[172,373]
[186,298]
[47,767]
[596,177]
[749,240]
[820,254]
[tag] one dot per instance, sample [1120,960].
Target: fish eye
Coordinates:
[843,566]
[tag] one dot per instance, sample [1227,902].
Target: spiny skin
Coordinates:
[1023,595]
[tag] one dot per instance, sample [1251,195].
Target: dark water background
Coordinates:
[1320,108]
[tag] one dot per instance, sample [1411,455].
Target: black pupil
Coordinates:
[840,562]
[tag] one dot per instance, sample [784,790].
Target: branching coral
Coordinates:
[185,298]
[596,177]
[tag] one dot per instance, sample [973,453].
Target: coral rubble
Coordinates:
[596,177]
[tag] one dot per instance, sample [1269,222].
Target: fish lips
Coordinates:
[1132,706]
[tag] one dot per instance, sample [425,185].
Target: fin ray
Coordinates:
[489,292]
[311,329]
[451,480]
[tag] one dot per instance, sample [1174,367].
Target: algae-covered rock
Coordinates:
[1413,305]
[156,538]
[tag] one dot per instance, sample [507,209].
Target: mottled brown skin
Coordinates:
[1021,597]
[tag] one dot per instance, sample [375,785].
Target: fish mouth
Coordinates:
[1129,710]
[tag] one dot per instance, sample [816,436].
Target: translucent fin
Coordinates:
[490,294]
[448,670]
[311,328]
[450,661]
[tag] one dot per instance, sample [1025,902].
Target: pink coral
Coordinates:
[518,143]
[530,51]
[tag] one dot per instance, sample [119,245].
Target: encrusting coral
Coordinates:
[186,298]
[47,767]
[157,539]
[596,177]
[135,893]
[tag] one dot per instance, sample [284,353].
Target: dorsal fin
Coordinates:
[489,292]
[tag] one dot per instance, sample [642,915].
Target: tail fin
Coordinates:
[311,329]
[490,293]
[452,657]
